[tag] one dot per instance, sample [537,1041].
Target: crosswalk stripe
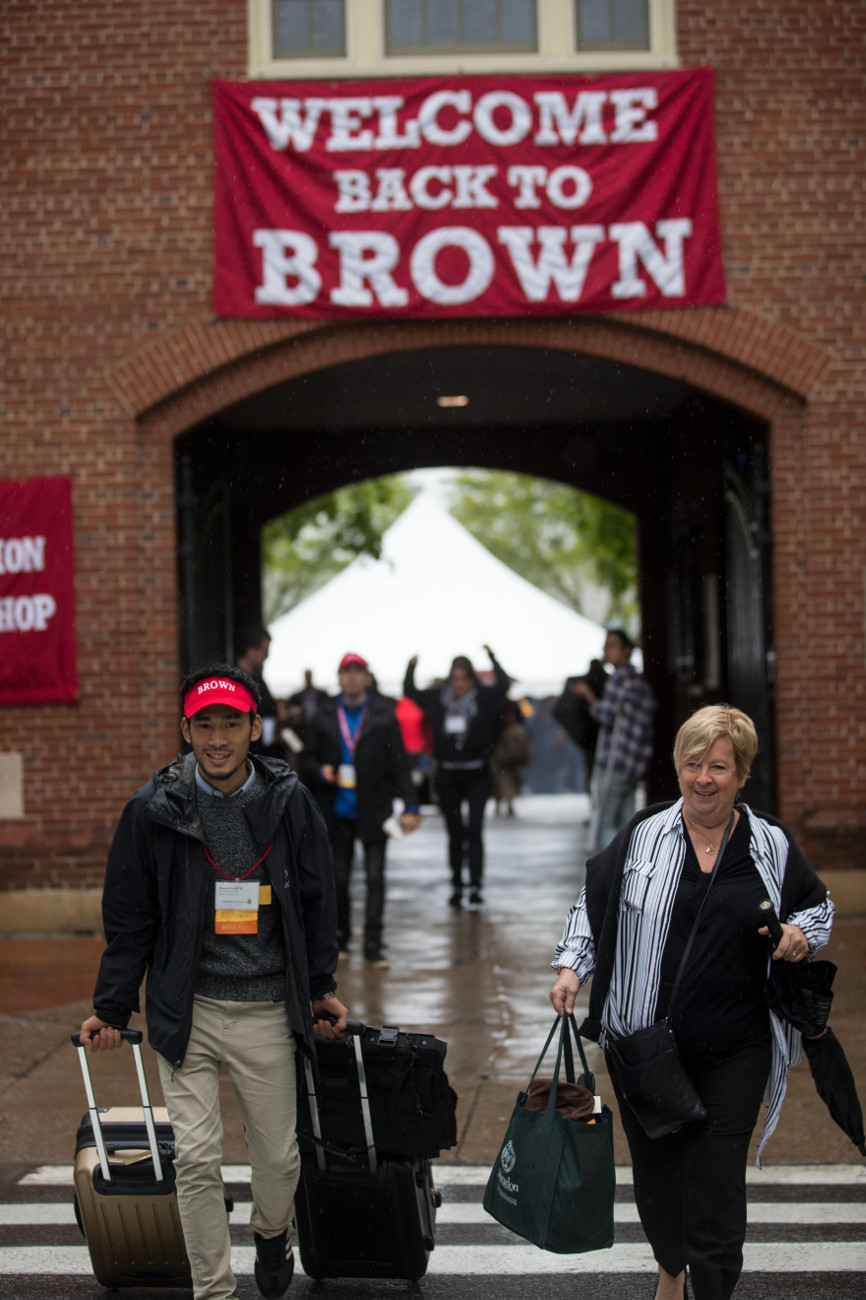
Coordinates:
[515,1258]
[492,1261]
[477,1175]
[795,1212]
[454,1213]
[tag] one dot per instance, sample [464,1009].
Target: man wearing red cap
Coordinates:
[355,762]
[219,886]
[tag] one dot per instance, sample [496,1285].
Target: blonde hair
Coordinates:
[700,732]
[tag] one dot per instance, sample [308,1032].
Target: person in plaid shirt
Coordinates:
[625,716]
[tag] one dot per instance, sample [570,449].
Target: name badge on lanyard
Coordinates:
[455,725]
[346,771]
[236,904]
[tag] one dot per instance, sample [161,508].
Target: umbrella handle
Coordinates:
[771,921]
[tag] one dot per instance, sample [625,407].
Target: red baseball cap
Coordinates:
[218,690]
[349,659]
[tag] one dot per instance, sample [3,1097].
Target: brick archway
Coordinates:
[731,353]
[756,365]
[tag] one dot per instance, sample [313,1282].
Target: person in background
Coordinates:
[309,697]
[465,719]
[355,763]
[511,752]
[252,646]
[418,739]
[225,987]
[572,711]
[624,713]
[628,930]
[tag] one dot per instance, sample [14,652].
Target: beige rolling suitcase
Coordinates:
[125,1200]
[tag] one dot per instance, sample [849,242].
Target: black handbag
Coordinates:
[647,1063]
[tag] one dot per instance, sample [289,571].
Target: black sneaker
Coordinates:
[456,899]
[275,1264]
[475,898]
[374,956]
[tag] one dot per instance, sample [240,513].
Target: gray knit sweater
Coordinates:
[238,967]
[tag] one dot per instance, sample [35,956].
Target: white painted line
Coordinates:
[771,1175]
[778,1258]
[455,1213]
[806,1212]
[806,1175]
[37,1215]
[48,1176]
[477,1175]
[51,1261]
[794,1212]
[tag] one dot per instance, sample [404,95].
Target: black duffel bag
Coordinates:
[412,1105]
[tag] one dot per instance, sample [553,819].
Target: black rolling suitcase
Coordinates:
[363,1211]
[125,1200]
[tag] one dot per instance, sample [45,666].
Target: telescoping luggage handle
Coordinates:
[133,1037]
[356,1030]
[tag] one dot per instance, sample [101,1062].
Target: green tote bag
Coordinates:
[554,1180]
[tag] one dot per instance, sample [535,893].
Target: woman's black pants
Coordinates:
[454,789]
[690,1186]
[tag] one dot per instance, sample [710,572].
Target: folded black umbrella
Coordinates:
[801,993]
[835,1084]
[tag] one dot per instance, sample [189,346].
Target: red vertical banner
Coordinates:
[37,593]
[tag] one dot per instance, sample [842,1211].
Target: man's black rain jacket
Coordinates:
[155,887]
[381,764]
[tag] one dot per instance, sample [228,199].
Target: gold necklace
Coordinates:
[711,848]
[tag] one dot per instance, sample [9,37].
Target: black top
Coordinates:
[721,997]
[482,732]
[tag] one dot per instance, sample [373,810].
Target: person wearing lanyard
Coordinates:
[219,886]
[355,761]
[465,717]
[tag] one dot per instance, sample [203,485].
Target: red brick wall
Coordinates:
[107,146]
[791,137]
[106,121]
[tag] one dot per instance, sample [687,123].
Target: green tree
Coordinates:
[304,549]
[562,540]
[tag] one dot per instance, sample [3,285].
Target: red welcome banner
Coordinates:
[467,196]
[37,596]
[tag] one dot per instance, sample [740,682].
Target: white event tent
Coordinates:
[435,592]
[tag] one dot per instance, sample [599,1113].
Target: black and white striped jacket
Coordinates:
[618,932]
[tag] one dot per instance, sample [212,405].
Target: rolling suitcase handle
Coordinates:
[356,1030]
[133,1037]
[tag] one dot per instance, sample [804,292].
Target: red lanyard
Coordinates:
[246,873]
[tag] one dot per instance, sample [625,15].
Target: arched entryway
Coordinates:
[668,415]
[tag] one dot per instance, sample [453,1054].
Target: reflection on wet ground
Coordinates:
[476,977]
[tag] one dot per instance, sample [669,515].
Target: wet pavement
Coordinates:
[476,978]
[479,980]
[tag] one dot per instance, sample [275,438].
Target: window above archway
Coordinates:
[374,38]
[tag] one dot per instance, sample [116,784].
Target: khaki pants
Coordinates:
[258,1047]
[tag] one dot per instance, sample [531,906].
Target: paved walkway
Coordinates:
[478,979]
